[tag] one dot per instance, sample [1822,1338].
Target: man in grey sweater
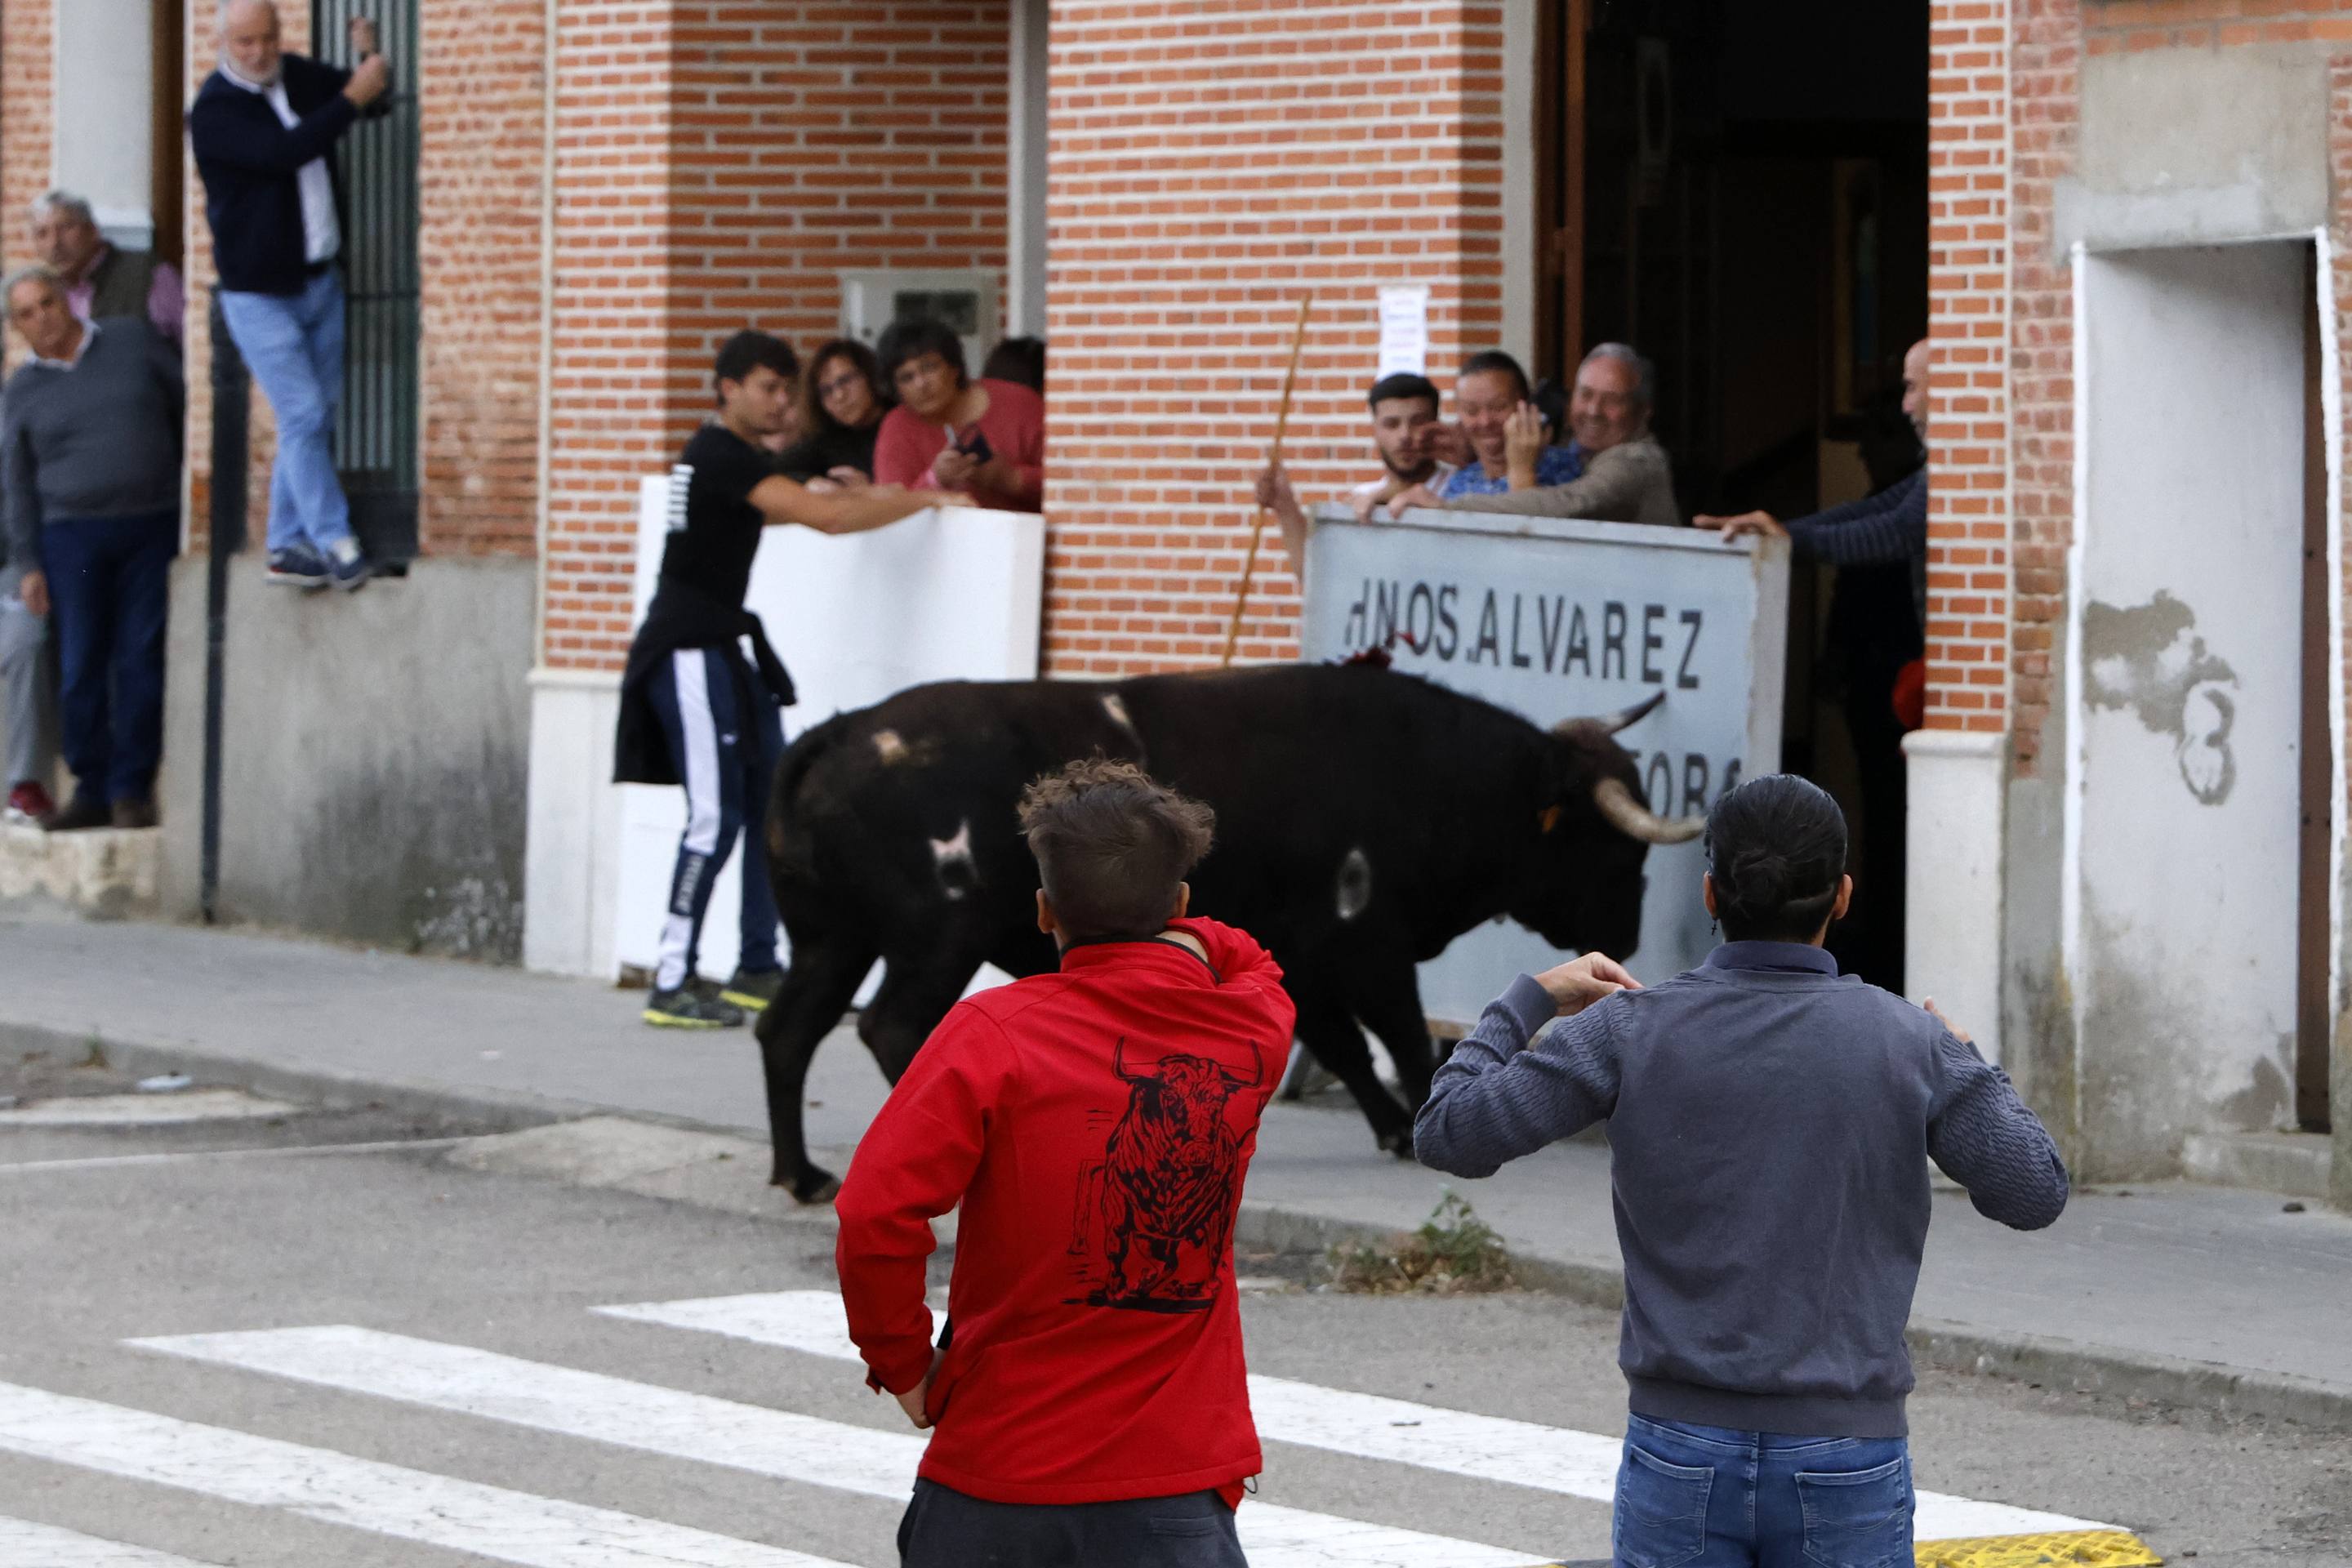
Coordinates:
[1770,1123]
[89,495]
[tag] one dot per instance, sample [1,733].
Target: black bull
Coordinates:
[1365,819]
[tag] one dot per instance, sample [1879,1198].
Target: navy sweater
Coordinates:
[1770,1123]
[1878,529]
[248,159]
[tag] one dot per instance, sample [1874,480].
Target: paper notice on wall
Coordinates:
[1404,330]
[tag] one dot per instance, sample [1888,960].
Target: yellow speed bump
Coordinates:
[2100,1548]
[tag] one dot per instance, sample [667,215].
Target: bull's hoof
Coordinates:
[1399,1143]
[816,1188]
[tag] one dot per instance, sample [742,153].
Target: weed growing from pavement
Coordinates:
[1453,1253]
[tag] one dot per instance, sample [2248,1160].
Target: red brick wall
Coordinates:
[718,165]
[1969,141]
[1211,161]
[26,123]
[478,68]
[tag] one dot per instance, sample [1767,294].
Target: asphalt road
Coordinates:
[404,1445]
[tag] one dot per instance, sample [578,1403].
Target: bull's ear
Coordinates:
[1549,818]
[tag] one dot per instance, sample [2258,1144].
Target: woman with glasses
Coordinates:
[846,403]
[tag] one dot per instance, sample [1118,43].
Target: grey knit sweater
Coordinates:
[99,439]
[1770,1128]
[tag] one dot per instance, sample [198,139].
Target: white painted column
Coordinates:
[1519,237]
[1027,140]
[571,857]
[104,68]
[1952,950]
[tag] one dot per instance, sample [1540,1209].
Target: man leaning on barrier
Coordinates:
[1404,409]
[1624,475]
[694,711]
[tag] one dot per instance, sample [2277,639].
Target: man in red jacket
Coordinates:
[1089,1400]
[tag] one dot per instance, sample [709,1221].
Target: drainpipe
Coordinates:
[546,326]
[225,536]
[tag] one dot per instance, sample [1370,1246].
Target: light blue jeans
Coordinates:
[294,346]
[1707,1496]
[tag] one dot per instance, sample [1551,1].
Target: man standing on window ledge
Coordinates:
[262,127]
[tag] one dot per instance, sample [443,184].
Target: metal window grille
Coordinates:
[376,428]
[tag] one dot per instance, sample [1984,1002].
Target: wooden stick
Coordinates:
[1273,459]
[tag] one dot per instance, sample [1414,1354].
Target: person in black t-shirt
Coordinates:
[694,711]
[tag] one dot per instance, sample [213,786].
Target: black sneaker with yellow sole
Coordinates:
[688,1008]
[753,989]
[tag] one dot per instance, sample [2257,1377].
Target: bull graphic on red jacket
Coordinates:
[1154,1218]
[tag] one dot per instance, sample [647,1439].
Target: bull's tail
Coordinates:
[791,849]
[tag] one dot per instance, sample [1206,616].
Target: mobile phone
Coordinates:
[975,447]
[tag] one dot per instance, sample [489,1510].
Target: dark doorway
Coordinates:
[376,428]
[1738,188]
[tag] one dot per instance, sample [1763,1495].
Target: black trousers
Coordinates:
[945,1529]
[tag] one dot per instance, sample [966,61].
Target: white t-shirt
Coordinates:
[321,236]
[1436,477]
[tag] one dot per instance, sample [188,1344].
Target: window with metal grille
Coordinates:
[375,429]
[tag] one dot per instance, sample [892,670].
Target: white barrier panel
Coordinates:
[955,594]
[1557,618]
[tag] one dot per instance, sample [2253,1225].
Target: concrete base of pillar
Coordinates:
[572,861]
[1952,918]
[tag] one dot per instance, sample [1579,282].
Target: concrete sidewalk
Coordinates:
[2174,1293]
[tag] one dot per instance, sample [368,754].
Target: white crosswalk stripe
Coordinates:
[24,1544]
[1486,1447]
[722,1432]
[362,1494]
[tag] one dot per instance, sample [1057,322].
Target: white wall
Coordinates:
[1025,150]
[105,108]
[2184,683]
[1520,239]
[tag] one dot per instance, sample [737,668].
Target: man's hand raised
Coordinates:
[369,78]
[1576,985]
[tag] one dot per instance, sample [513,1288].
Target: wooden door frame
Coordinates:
[1561,30]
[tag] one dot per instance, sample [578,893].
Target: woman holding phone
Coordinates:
[950,431]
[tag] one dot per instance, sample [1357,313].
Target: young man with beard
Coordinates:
[1405,431]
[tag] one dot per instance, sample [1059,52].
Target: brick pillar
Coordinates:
[1968,153]
[1211,163]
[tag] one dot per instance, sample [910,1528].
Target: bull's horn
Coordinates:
[1634,820]
[1623,718]
[1626,718]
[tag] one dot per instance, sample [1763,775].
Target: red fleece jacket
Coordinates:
[1095,1125]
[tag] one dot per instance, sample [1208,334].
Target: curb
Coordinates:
[2031,1359]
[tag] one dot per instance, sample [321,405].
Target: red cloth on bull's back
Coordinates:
[1095,1124]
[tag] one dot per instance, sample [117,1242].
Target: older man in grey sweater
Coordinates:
[89,495]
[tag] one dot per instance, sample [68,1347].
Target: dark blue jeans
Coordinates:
[110,585]
[1706,1497]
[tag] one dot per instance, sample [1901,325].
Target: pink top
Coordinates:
[1015,426]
